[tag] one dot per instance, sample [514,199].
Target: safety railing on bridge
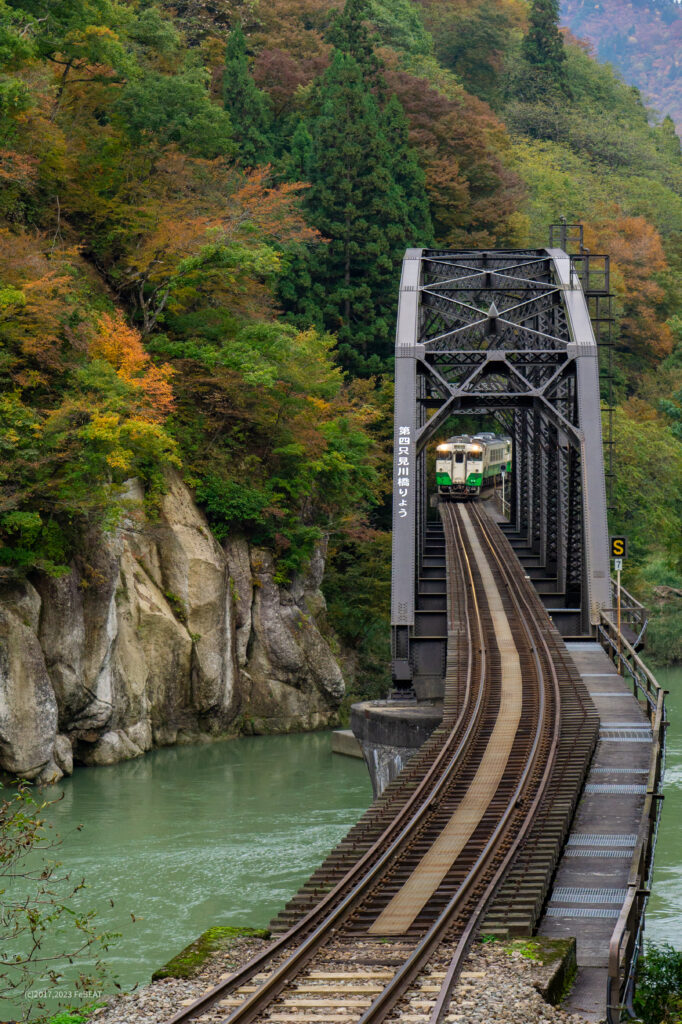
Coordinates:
[501,501]
[634,617]
[626,940]
[593,271]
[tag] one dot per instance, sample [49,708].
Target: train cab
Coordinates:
[451,465]
[467,465]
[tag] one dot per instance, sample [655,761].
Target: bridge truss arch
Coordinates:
[505,334]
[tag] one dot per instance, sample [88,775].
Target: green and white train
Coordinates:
[465,465]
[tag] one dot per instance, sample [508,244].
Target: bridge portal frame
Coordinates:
[503,333]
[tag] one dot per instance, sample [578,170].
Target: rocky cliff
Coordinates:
[158,636]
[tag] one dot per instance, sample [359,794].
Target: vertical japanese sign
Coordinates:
[404,522]
[403,469]
[405,444]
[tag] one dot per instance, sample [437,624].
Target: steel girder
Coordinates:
[507,334]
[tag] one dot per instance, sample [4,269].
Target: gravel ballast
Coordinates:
[498,985]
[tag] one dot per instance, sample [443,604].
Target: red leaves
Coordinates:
[17,168]
[280,75]
[460,142]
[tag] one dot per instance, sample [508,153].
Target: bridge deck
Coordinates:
[593,873]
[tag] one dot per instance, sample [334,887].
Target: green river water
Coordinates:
[664,916]
[190,837]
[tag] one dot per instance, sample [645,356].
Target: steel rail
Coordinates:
[254,1004]
[310,942]
[420,956]
[443,1000]
[272,986]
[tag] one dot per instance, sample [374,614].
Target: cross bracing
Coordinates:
[507,335]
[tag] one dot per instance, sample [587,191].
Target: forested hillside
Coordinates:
[643,40]
[204,209]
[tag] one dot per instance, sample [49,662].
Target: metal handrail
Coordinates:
[503,504]
[626,940]
[633,612]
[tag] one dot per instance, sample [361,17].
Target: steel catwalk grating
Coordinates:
[607,912]
[573,894]
[600,839]
[626,725]
[625,736]
[596,851]
[596,787]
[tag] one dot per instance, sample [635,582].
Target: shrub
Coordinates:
[658,998]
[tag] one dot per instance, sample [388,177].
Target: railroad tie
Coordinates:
[410,899]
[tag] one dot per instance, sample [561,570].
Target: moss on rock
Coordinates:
[557,957]
[189,961]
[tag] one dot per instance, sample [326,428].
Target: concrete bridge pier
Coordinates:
[390,734]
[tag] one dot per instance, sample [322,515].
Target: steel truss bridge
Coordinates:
[469,834]
[507,335]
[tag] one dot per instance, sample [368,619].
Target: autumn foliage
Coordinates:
[643,40]
[181,288]
[121,346]
[638,261]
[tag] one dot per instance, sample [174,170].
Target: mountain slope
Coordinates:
[643,40]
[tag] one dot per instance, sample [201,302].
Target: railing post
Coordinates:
[626,939]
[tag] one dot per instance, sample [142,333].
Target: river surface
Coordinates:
[664,916]
[190,837]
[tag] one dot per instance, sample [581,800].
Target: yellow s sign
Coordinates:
[619,547]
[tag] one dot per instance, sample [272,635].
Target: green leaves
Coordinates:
[37,918]
[230,505]
[62,471]
[399,25]
[15,42]
[176,109]
[658,998]
[648,487]
[542,53]
[367,198]
[246,104]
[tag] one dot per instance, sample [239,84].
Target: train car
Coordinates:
[465,465]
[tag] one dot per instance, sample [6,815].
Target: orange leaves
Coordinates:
[632,240]
[637,256]
[199,210]
[461,147]
[272,213]
[193,199]
[17,168]
[121,346]
[31,315]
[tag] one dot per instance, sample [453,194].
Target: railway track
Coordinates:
[405,894]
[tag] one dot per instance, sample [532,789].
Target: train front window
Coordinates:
[459,456]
